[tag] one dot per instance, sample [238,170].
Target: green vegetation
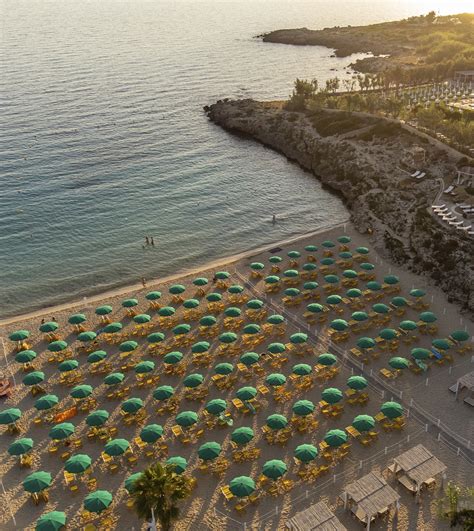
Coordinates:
[457,506]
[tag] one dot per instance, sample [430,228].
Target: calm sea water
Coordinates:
[103,139]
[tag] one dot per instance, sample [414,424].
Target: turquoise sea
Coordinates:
[103,139]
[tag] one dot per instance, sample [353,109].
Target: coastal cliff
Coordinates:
[366,161]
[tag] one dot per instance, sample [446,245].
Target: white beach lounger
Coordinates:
[441,210]
[416,173]
[457,223]
[439,206]
[421,175]
[448,189]
[463,228]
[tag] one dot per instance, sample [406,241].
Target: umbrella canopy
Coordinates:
[408,325]
[173,357]
[399,301]
[97,356]
[209,451]
[334,299]
[398,363]
[116,447]
[181,329]
[37,481]
[257,266]
[314,307]
[151,433]
[417,293]
[345,255]
[309,267]
[236,288]
[276,348]
[303,408]
[164,392]
[331,279]
[428,317]
[388,334]
[222,275]
[34,378]
[112,328]
[380,308]
[242,486]
[81,391]
[392,410]
[77,318]
[128,346]
[242,435]
[228,337]
[52,521]
[291,273]
[177,289]
[166,311]
[365,342]
[20,446]
[130,481]
[216,406]
[68,365]
[114,378]
[275,319]
[85,337]
[246,393]
[294,254]
[144,367]
[362,250]
[374,286]
[46,402]
[310,285]
[155,337]
[275,259]
[420,353]
[350,273]
[335,438]
[193,380]
[274,469]
[57,346]
[360,316]
[441,344]
[142,318]
[277,422]
[306,452]
[391,280]
[302,369]
[25,356]
[367,266]
[298,338]
[61,431]
[328,244]
[354,293]
[9,416]
[275,379]
[178,463]
[249,358]
[224,368]
[292,292]
[255,304]
[129,303]
[357,382]
[272,279]
[186,418]
[190,304]
[103,310]
[97,418]
[311,248]
[328,261]
[77,464]
[200,347]
[214,297]
[48,327]
[460,335]
[232,311]
[339,325]
[153,295]
[251,329]
[200,281]
[363,423]
[132,405]
[332,395]
[327,359]
[97,501]
[344,239]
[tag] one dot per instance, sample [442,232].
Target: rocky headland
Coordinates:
[367,161]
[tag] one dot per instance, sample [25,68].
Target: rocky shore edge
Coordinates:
[365,165]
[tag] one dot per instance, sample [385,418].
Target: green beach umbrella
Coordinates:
[460,335]
[255,304]
[275,379]
[298,338]
[228,337]
[249,358]
[242,486]
[97,418]
[209,451]
[344,239]
[142,318]
[441,344]
[311,248]
[275,259]
[132,405]
[357,383]
[420,353]
[257,266]
[103,310]
[181,329]
[292,292]
[428,317]
[130,481]
[177,289]
[392,410]
[77,319]
[128,346]
[200,281]
[328,244]
[272,279]
[391,280]
[417,293]
[85,337]
[334,299]
[81,391]
[277,422]
[363,423]
[242,435]
[309,267]
[214,297]
[302,369]
[362,250]
[20,446]
[367,266]
[200,347]
[276,348]
[37,481]
[331,279]
[335,438]
[155,337]
[61,431]
[314,307]
[232,311]
[216,406]
[246,393]
[251,329]
[114,378]
[294,254]
[399,301]
[151,433]
[77,464]
[186,418]
[359,316]
[129,303]
[116,447]
[164,392]
[274,469]
[48,327]
[327,359]
[398,363]
[34,378]
[52,521]
[380,308]
[25,356]
[327,261]
[345,255]
[339,325]
[374,286]
[303,408]
[388,334]
[144,367]
[365,342]
[275,319]
[306,453]
[153,295]
[193,380]
[408,325]
[354,293]
[222,275]
[96,356]
[350,273]
[97,501]
[224,368]
[178,463]
[9,416]
[166,311]
[190,304]
[112,328]
[46,402]
[57,346]
[332,395]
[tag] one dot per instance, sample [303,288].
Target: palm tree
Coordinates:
[157,491]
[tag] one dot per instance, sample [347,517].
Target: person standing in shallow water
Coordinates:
[152,241]
[147,241]
[144,282]
[274,219]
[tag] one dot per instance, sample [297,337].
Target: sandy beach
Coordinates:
[206,507]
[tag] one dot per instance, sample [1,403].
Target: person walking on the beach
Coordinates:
[144,282]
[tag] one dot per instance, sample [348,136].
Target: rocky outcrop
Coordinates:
[361,159]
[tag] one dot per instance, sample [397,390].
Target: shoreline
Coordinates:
[129,288]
